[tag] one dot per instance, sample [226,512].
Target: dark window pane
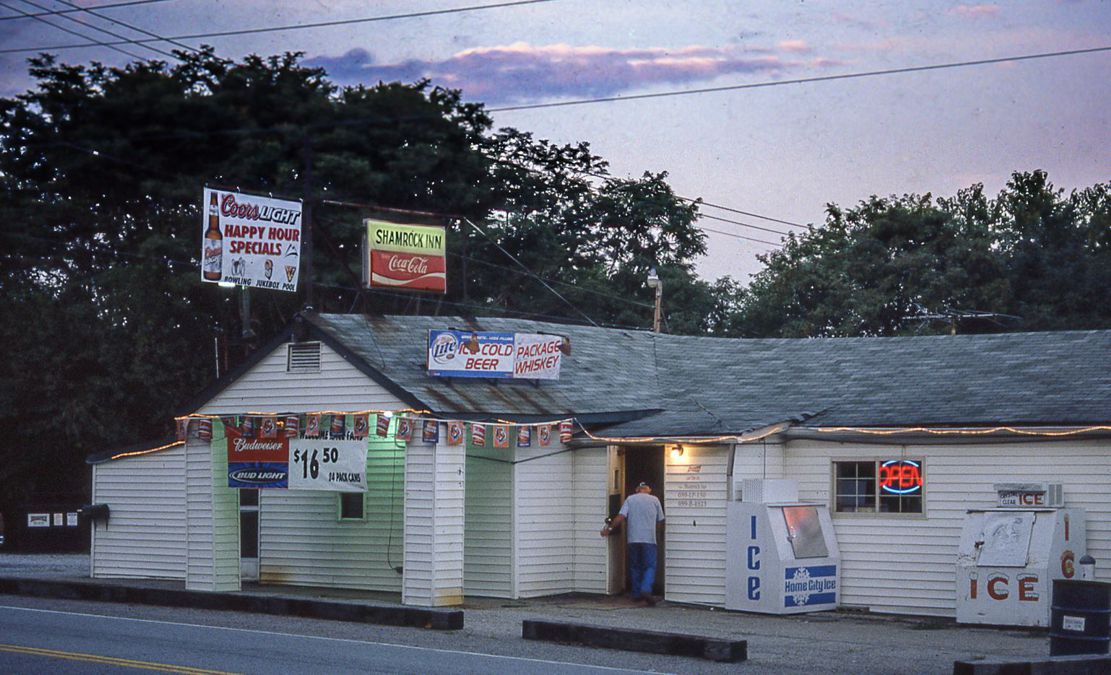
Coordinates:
[248,534]
[248,497]
[351,505]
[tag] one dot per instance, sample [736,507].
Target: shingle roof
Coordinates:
[705,386]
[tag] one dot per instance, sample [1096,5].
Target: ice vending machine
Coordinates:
[1009,555]
[781,554]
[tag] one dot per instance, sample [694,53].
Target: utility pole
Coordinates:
[306,223]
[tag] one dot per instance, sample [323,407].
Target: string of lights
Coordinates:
[968,431]
[748,437]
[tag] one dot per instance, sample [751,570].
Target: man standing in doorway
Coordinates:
[643,512]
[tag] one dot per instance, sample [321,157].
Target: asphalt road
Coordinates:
[36,640]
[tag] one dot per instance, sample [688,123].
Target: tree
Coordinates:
[101,171]
[877,268]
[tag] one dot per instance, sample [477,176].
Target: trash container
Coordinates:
[1080,621]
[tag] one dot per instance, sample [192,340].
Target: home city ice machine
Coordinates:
[1010,555]
[781,554]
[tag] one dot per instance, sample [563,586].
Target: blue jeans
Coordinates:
[642,569]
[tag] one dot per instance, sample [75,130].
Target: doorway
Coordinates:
[646,464]
[248,535]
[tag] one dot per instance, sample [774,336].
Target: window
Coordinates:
[352,506]
[878,486]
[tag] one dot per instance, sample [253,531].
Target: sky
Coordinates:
[785,133]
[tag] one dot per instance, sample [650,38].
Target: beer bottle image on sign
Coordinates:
[213,246]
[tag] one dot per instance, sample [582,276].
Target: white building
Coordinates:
[692,415]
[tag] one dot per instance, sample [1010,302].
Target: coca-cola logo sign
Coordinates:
[411,264]
[406,256]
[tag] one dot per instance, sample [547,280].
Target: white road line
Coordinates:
[315,637]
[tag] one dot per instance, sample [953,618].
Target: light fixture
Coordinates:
[676,452]
[655,282]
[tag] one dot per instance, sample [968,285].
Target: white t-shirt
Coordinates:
[642,511]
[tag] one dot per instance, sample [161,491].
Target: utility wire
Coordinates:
[59,12]
[740,236]
[801,80]
[531,273]
[156,50]
[737,222]
[302,26]
[128,25]
[92,42]
[746,213]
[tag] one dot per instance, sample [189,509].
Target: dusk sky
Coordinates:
[783,150]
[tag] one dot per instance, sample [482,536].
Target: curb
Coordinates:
[655,642]
[413,617]
[1095,664]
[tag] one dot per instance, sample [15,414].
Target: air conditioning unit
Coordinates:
[769,490]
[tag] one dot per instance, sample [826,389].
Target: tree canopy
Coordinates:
[101,172]
[1032,258]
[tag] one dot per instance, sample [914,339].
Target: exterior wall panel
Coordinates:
[907,564]
[145,535]
[545,521]
[696,490]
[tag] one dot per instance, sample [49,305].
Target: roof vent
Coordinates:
[303,357]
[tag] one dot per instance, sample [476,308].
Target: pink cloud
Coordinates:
[524,72]
[794,46]
[974,11]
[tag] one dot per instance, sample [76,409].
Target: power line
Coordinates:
[92,41]
[303,26]
[59,12]
[737,222]
[740,236]
[128,25]
[748,213]
[96,28]
[530,272]
[801,80]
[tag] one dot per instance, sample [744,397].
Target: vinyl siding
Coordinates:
[591,472]
[302,541]
[545,521]
[488,543]
[435,478]
[268,387]
[908,564]
[145,534]
[696,493]
[212,539]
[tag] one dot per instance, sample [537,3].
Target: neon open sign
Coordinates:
[900,477]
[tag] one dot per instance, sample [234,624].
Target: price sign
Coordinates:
[331,465]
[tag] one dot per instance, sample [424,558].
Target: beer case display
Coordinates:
[1010,555]
[781,557]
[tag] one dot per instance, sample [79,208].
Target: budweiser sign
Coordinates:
[404,256]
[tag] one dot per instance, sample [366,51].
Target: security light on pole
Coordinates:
[655,282]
